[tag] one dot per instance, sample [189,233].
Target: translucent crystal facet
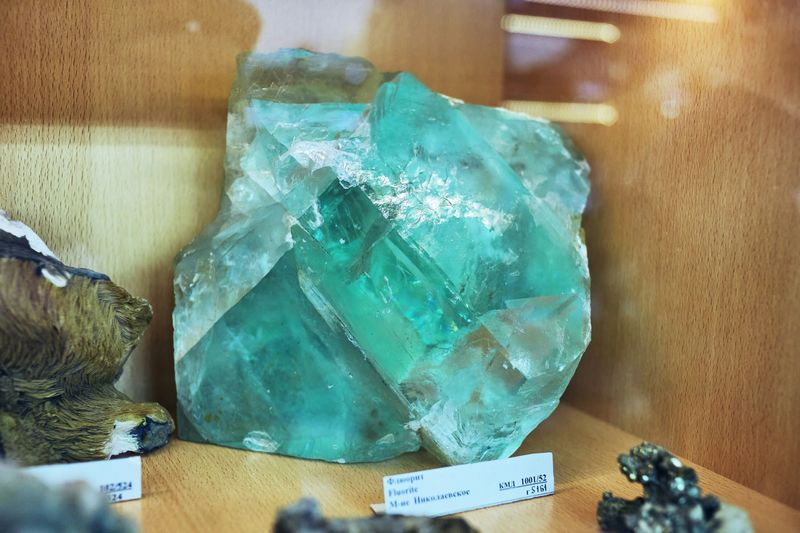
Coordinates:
[390,269]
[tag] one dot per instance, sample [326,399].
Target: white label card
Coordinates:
[118,479]
[454,489]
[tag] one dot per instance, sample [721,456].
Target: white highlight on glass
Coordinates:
[604,114]
[566,28]
[644,8]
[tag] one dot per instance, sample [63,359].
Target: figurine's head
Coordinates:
[65,334]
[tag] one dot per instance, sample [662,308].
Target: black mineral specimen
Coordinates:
[27,505]
[305,517]
[672,500]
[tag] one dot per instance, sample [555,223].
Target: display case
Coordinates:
[112,144]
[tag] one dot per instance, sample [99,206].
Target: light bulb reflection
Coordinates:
[604,114]
[645,8]
[565,28]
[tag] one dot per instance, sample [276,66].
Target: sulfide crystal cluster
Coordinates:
[390,269]
[672,501]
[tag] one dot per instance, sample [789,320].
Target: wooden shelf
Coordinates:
[194,487]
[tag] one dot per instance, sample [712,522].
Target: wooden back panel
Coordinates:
[112,117]
[693,231]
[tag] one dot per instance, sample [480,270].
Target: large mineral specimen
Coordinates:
[390,268]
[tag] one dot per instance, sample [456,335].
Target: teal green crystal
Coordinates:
[390,269]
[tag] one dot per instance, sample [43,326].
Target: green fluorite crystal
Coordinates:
[390,269]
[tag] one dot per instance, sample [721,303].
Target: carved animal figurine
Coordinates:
[65,334]
[28,505]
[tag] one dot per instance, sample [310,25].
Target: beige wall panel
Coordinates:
[693,232]
[112,117]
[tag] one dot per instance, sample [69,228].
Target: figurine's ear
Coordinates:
[131,314]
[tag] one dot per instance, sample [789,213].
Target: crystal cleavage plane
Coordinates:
[390,268]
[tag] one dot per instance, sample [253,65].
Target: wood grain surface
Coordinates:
[692,230]
[195,487]
[112,117]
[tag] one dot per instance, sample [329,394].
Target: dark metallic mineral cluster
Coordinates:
[672,501]
[305,517]
[29,506]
